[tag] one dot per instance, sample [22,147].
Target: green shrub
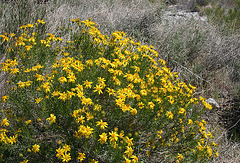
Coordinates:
[229,17]
[96,98]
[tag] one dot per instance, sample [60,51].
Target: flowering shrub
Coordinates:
[96,98]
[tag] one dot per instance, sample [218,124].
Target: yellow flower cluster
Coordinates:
[62,153]
[52,118]
[116,83]
[36,148]
[4,138]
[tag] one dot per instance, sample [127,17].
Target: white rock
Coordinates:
[212,102]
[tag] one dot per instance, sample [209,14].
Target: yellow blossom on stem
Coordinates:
[66,148]
[66,157]
[36,148]
[129,141]
[24,161]
[5,122]
[52,118]
[102,124]
[63,96]
[103,138]
[182,111]
[98,89]
[62,80]
[60,152]
[129,151]
[38,100]
[81,156]
[190,122]
[133,111]
[4,98]
[169,114]
[28,122]
[21,84]
[87,84]
[113,136]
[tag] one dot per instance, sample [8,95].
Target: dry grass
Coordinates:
[199,52]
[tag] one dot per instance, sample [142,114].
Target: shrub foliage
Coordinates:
[94,98]
[221,15]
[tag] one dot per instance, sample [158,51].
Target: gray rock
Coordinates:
[212,102]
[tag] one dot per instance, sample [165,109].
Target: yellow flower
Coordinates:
[21,84]
[39,77]
[133,111]
[129,141]
[89,62]
[98,89]
[214,144]
[38,100]
[209,151]
[101,80]
[97,107]
[81,156]
[55,93]
[28,83]
[4,98]
[134,158]
[102,124]
[52,118]
[113,136]
[129,151]
[216,154]
[127,160]
[60,152]
[88,131]
[103,138]
[28,47]
[46,87]
[119,102]
[140,105]
[169,114]
[14,71]
[151,105]
[143,92]
[182,111]
[66,157]
[5,122]
[36,148]
[93,161]
[5,38]
[28,122]
[14,62]
[71,77]
[160,134]
[12,139]
[70,94]
[80,119]
[86,101]
[63,96]
[180,157]
[41,21]
[199,147]
[87,84]
[62,80]
[171,100]
[190,122]
[30,25]
[66,148]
